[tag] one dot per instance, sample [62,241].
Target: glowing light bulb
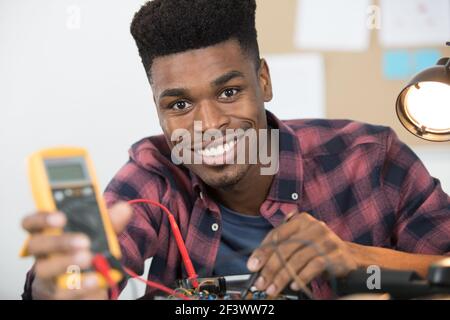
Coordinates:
[428,105]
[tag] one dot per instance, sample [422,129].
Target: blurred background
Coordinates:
[70,74]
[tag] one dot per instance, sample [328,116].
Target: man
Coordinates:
[345,195]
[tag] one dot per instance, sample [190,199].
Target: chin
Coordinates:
[222,177]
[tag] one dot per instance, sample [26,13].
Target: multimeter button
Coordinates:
[68,192]
[59,196]
[87,191]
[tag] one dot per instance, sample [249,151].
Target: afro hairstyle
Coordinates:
[164,27]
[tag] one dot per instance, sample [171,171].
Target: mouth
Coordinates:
[219,152]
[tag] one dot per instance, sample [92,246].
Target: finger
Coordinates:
[55,265]
[282,253]
[120,215]
[298,260]
[260,256]
[312,240]
[89,288]
[41,244]
[314,268]
[40,221]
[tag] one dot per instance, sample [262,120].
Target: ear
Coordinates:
[264,81]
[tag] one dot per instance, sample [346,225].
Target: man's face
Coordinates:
[218,86]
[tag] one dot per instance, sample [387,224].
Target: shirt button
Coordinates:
[214,227]
[294,196]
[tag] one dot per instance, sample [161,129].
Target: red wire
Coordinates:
[154,284]
[178,238]
[102,266]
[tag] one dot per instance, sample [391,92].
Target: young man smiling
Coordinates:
[353,191]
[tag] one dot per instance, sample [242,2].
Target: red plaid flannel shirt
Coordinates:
[364,183]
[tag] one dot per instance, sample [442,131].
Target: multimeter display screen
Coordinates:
[74,195]
[65,172]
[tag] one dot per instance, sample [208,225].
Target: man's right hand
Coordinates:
[55,253]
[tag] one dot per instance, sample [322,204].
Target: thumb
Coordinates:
[120,215]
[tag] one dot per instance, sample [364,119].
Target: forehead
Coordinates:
[199,66]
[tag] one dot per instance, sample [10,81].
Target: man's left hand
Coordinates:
[309,248]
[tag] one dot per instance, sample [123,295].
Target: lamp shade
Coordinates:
[423,106]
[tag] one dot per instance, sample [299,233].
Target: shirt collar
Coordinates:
[287,185]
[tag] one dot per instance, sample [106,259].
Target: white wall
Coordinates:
[436,158]
[63,85]
[60,84]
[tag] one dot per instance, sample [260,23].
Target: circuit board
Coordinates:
[223,288]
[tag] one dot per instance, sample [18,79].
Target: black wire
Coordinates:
[274,245]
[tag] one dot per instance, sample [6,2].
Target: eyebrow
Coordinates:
[178,92]
[227,77]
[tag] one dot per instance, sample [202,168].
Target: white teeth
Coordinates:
[217,151]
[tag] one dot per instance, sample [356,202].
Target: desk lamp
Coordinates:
[423,106]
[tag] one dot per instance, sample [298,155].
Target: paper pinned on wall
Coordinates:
[399,64]
[298,82]
[425,58]
[331,25]
[412,23]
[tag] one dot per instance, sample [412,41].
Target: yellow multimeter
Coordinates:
[63,179]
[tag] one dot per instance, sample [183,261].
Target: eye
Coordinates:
[229,93]
[180,105]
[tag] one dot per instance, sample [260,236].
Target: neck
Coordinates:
[247,196]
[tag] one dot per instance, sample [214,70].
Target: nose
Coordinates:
[211,116]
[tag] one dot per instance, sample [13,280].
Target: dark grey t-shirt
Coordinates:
[241,234]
